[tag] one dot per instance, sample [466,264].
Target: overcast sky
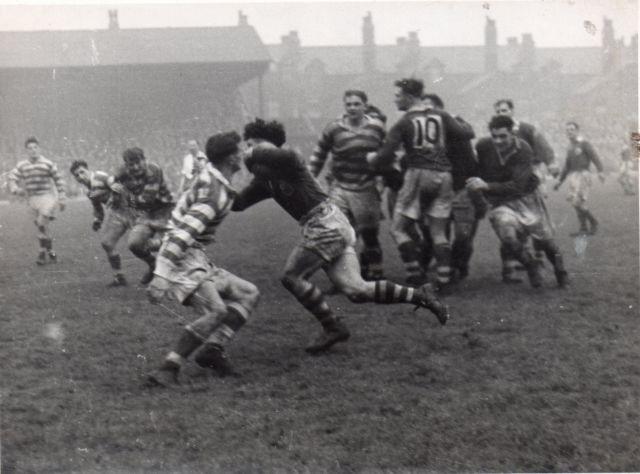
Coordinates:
[552,22]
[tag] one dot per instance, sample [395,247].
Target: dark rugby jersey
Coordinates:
[349,147]
[147,192]
[281,175]
[463,160]
[510,176]
[580,155]
[542,151]
[424,133]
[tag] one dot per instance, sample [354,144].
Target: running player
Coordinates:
[150,200]
[507,179]
[37,179]
[427,188]
[628,177]
[580,156]
[119,220]
[327,237]
[353,187]
[185,273]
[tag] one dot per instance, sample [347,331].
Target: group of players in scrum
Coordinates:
[436,184]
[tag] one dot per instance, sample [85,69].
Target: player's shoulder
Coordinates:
[376,123]
[22,163]
[484,143]
[524,147]
[333,127]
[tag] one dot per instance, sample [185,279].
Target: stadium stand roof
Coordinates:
[81,48]
[456,59]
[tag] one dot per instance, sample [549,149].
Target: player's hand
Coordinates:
[118,188]
[372,157]
[97,223]
[157,289]
[62,205]
[476,184]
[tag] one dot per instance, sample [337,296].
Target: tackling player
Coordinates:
[507,179]
[327,237]
[353,187]
[37,179]
[185,273]
[580,156]
[150,200]
[119,220]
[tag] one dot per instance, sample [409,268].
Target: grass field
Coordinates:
[520,380]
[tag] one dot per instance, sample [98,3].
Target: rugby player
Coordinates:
[184,272]
[427,187]
[580,156]
[507,179]
[353,187]
[150,200]
[37,179]
[327,237]
[544,163]
[119,220]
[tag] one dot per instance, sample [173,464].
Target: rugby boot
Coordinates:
[166,376]
[333,333]
[429,300]
[42,258]
[212,356]
[118,280]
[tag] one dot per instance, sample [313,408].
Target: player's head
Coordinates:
[222,149]
[504,107]
[80,171]
[135,161]
[408,92]
[375,112]
[192,146]
[501,128]
[355,103]
[33,147]
[572,129]
[260,131]
[433,101]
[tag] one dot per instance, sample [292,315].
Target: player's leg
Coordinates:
[138,242]
[510,265]
[344,272]
[508,229]
[43,207]
[301,264]
[365,207]
[439,212]
[241,298]
[405,216]
[115,227]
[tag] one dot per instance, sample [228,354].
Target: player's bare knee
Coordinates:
[251,295]
[355,291]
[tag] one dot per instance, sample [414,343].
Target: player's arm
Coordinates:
[457,128]
[164,195]
[255,192]
[384,157]
[98,213]
[520,182]
[321,152]
[272,163]
[15,177]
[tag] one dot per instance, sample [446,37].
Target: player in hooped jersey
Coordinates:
[37,179]
[118,221]
[427,188]
[353,186]
[327,237]
[184,272]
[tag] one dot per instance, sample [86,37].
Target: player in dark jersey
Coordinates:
[580,156]
[427,187]
[353,185]
[468,207]
[544,164]
[150,200]
[507,179]
[118,221]
[327,237]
